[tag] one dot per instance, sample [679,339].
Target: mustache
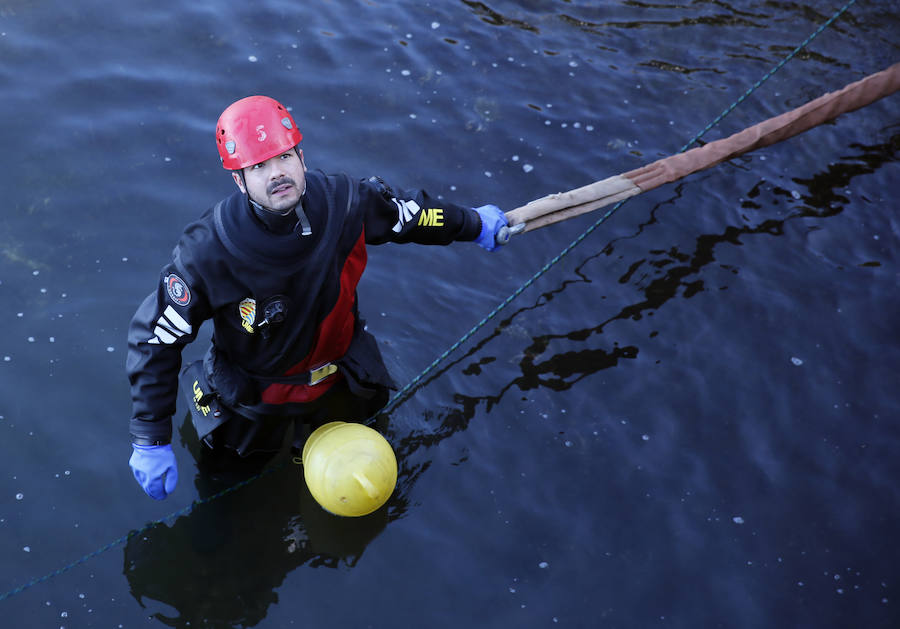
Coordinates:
[280,182]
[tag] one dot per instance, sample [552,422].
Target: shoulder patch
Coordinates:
[178,290]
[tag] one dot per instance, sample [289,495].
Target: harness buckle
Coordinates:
[320,373]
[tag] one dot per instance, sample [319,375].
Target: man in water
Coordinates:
[275,266]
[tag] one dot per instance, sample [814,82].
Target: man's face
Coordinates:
[276,183]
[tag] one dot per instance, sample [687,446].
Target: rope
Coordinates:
[465,337]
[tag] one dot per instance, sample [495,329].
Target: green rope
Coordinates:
[465,337]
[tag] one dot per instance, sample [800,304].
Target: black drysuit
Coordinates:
[286,323]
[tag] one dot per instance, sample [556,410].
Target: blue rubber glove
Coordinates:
[492,220]
[154,469]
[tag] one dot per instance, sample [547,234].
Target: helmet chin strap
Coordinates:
[302,219]
[305,226]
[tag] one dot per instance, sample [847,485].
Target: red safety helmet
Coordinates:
[253,130]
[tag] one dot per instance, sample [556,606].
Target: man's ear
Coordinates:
[238,182]
[302,161]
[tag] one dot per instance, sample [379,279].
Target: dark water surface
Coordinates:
[690,421]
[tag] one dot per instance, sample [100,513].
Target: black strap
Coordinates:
[305,227]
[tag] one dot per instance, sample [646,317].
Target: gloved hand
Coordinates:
[492,220]
[154,469]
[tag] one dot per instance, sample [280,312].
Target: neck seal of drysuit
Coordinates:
[271,217]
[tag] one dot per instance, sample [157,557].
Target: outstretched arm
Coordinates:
[414,216]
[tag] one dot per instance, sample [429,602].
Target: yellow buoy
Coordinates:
[350,469]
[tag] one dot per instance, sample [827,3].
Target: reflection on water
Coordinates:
[219,565]
[222,564]
[494,18]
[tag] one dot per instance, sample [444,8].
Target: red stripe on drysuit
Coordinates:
[332,338]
